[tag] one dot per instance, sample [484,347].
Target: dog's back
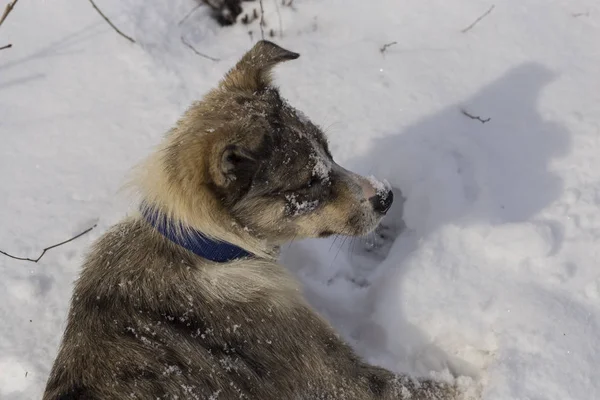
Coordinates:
[148,322]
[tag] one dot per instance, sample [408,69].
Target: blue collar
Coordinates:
[193,240]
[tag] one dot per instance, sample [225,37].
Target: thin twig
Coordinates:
[7,10]
[279,16]
[49,248]
[385,46]
[262,20]
[581,14]
[110,23]
[289,4]
[475,117]
[189,14]
[196,51]
[485,14]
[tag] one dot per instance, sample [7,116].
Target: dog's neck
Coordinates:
[210,247]
[193,240]
[192,218]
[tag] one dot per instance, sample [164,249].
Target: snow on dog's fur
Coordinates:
[150,319]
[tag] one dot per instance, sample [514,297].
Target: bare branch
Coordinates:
[581,14]
[110,23]
[189,14]
[49,248]
[185,42]
[262,20]
[289,4]
[7,10]
[279,16]
[475,117]
[485,14]
[385,46]
[246,19]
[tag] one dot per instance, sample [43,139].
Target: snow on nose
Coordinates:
[372,187]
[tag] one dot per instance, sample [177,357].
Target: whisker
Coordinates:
[352,245]
[340,249]
[292,241]
[333,242]
[370,241]
[327,128]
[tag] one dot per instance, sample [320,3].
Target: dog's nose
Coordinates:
[382,201]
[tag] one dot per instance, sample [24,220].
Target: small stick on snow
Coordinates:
[483,121]
[279,16]
[48,248]
[7,10]
[289,4]
[196,51]
[485,14]
[262,20]
[385,46]
[110,23]
[581,14]
[189,14]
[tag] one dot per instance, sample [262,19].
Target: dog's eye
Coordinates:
[314,181]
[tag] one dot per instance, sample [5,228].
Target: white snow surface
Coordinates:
[489,268]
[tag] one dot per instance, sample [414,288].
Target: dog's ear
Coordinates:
[236,164]
[253,71]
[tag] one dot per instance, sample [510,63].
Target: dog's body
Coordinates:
[151,319]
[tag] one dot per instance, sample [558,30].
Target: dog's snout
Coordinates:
[382,202]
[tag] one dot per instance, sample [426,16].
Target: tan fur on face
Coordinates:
[175,180]
[150,319]
[184,178]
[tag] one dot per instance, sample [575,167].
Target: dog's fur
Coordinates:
[152,320]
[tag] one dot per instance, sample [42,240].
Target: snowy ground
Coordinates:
[492,268]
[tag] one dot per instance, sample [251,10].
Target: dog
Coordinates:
[185,298]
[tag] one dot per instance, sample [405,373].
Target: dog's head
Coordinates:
[244,156]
